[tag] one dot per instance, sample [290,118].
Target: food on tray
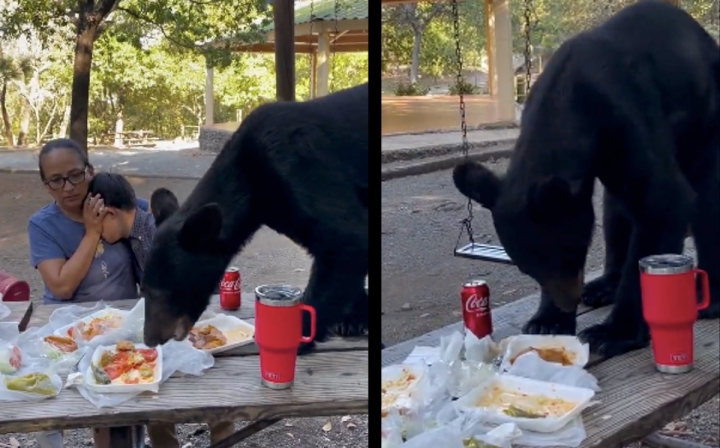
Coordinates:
[126,365]
[34,383]
[207,337]
[557,355]
[10,359]
[96,326]
[62,344]
[517,404]
[393,389]
[472,442]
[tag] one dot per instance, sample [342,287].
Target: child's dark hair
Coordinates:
[114,189]
[62,143]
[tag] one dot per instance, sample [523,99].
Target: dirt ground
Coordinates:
[421,279]
[269,257]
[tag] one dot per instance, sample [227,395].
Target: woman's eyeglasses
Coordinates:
[58,182]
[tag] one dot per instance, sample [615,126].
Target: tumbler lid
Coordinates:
[666,264]
[278,295]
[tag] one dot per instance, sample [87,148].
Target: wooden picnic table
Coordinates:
[332,381]
[636,400]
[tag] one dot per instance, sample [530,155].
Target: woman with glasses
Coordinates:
[74,262]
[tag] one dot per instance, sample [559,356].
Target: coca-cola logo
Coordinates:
[232,285]
[475,303]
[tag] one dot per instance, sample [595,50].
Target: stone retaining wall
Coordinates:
[212,139]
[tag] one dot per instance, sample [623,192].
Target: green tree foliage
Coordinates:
[552,22]
[147,65]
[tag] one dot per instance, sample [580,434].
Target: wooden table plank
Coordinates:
[636,399]
[20,312]
[325,384]
[41,315]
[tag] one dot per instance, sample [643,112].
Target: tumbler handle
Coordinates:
[705,299]
[311,310]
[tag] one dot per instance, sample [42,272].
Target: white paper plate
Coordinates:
[62,331]
[227,324]
[580,396]
[123,388]
[524,341]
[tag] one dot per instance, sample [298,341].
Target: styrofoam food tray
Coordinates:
[402,399]
[524,341]
[62,331]
[123,388]
[578,395]
[226,324]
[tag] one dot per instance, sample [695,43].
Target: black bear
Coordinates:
[300,168]
[634,103]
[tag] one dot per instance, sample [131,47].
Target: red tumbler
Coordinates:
[670,306]
[278,332]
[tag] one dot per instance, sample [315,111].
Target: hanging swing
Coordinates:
[473,250]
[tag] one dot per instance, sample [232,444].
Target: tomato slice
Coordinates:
[114,371]
[70,332]
[150,354]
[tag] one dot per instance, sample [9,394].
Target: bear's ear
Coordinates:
[163,204]
[478,183]
[549,197]
[200,233]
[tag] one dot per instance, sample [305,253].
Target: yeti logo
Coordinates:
[680,357]
[272,376]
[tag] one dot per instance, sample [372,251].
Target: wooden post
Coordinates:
[284,18]
[504,62]
[209,102]
[313,74]
[490,47]
[323,63]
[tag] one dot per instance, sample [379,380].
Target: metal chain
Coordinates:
[467,222]
[312,49]
[527,14]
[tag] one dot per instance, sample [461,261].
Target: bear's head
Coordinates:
[185,264]
[545,226]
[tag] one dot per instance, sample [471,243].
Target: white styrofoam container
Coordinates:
[123,388]
[404,399]
[62,331]
[511,383]
[226,323]
[524,341]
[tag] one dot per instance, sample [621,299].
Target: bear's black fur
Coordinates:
[301,168]
[634,103]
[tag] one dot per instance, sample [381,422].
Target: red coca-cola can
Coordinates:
[230,289]
[475,299]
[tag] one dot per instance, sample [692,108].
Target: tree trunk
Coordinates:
[415,64]
[81,86]
[5,116]
[24,121]
[65,122]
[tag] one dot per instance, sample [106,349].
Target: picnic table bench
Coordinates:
[333,381]
[137,138]
[636,400]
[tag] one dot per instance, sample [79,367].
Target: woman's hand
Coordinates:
[93,213]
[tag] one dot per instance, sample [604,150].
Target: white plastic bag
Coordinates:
[4,311]
[51,382]
[454,376]
[32,344]
[177,357]
[11,356]
[531,365]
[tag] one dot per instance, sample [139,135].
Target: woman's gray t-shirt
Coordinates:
[53,235]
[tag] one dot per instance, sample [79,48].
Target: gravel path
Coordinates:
[421,279]
[270,257]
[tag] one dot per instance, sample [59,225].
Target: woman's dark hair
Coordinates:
[62,143]
[114,189]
